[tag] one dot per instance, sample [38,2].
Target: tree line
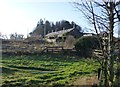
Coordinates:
[44,27]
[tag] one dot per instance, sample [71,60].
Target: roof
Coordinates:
[60,33]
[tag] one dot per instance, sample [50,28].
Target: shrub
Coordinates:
[86,44]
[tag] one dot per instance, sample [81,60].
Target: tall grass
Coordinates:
[41,70]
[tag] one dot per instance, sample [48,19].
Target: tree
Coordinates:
[39,29]
[86,44]
[52,26]
[103,16]
[48,26]
[57,25]
[65,24]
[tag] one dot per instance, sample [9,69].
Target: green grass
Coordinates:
[44,70]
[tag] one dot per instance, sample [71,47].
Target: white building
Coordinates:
[52,37]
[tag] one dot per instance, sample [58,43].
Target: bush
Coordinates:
[86,44]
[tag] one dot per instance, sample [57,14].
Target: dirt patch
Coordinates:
[87,81]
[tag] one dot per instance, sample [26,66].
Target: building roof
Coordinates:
[60,33]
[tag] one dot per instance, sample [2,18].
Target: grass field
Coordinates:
[45,70]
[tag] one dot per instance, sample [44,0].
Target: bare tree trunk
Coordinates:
[105,22]
[106,83]
[118,57]
[105,62]
[118,71]
[110,43]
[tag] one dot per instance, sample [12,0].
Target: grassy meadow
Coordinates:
[45,70]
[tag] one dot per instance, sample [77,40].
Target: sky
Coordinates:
[21,16]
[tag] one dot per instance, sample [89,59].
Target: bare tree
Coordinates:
[103,15]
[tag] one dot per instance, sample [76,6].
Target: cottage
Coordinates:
[54,36]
